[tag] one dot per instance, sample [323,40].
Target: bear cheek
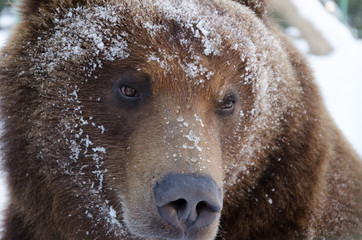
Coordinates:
[187,148]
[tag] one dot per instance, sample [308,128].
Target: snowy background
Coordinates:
[6,21]
[339,74]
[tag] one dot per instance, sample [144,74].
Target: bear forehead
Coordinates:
[88,36]
[171,35]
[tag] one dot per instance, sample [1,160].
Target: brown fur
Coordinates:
[82,163]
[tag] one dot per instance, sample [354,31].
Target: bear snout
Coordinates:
[189,203]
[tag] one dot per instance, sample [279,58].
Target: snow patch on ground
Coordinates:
[338,74]
[4,34]
[5,22]
[3,187]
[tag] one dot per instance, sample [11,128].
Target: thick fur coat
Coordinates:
[104,102]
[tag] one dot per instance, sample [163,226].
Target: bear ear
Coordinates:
[258,6]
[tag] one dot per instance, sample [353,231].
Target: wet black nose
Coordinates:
[187,201]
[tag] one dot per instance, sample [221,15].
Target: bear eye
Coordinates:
[229,104]
[226,105]
[131,89]
[129,92]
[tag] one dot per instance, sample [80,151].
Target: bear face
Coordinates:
[144,119]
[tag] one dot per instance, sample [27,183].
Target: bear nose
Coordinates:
[187,201]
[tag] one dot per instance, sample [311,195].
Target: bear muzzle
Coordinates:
[189,203]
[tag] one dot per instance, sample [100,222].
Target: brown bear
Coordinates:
[168,119]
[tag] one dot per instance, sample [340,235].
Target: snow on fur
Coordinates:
[80,40]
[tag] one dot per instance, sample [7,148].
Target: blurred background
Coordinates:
[329,32]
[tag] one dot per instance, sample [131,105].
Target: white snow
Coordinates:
[199,120]
[328,25]
[194,139]
[180,119]
[339,74]
[80,27]
[99,149]
[5,22]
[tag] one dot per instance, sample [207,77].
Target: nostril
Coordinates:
[179,204]
[201,206]
[180,207]
[205,206]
